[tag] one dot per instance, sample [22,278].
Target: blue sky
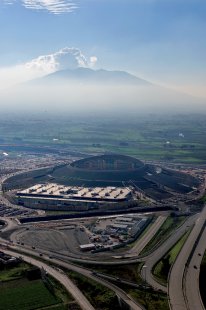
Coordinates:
[160,40]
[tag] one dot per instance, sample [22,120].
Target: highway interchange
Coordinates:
[59,275]
[184,277]
[183,293]
[183,282]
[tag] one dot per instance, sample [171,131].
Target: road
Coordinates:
[142,242]
[186,296]
[10,224]
[191,280]
[61,277]
[153,258]
[149,261]
[89,274]
[56,242]
[120,280]
[85,272]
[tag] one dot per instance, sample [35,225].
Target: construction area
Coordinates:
[75,237]
[114,232]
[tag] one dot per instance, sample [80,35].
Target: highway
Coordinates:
[60,276]
[82,270]
[142,242]
[191,279]
[179,299]
[77,256]
[10,224]
[149,261]
[155,256]
[89,274]
[120,280]
[183,286]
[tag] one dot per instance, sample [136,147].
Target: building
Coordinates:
[52,196]
[99,181]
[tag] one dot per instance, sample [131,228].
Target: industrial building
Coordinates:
[111,233]
[109,171]
[52,196]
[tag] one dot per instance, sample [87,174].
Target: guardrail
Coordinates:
[168,278]
[187,265]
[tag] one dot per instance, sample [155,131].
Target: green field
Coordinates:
[19,293]
[180,138]
[130,272]
[161,270]
[25,295]
[151,300]
[99,296]
[15,272]
[163,233]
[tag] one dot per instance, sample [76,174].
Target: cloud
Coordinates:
[65,58]
[93,61]
[9,1]
[53,6]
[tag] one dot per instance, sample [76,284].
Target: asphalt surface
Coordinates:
[61,277]
[66,243]
[183,288]
[153,258]
[10,224]
[82,270]
[142,242]
[191,280]
[88,273]
[189,298]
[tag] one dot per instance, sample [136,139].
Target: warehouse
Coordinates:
[56,197]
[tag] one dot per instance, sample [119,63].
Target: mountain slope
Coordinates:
[94,76]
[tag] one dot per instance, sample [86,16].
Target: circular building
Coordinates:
[104,170]
[108,163]
[112,170]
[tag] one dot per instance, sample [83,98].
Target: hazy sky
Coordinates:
[160,40]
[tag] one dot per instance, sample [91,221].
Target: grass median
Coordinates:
[162,268]
[171,223]
[99,296]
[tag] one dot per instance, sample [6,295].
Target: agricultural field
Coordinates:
[25,295]
[18,292]
[180,138]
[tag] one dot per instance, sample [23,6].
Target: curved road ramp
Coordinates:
[183,286]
